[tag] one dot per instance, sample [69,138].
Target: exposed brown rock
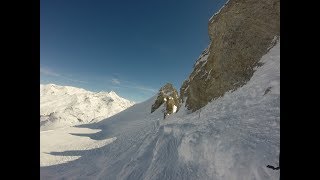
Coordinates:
[166,92]
[240,35]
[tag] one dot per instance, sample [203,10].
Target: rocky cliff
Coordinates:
[167,94]
[240,33]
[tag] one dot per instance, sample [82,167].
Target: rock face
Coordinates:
[167,94]
[171,106]
[240,33]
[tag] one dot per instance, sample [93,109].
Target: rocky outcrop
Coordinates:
[169,95]
[241,33]
[171,106]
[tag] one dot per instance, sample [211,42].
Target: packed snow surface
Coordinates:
[233,137]
[62,106]
[62,140]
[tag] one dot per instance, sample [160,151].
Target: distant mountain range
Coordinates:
[62,106]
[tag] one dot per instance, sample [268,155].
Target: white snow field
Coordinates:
[62,106]
[236,137]
[62,140]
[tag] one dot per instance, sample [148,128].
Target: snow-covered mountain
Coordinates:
[233,137]
[62,106]
[227,127]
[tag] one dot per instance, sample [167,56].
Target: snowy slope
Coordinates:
[62,106]
[236,137]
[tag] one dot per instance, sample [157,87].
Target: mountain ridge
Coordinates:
[62,106]
[241,32]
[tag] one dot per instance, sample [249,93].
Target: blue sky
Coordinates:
[130,47]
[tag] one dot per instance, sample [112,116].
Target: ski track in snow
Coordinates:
[236,137]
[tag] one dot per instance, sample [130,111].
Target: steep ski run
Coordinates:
[233,137]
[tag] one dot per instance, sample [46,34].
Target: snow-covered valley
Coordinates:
[233,137]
